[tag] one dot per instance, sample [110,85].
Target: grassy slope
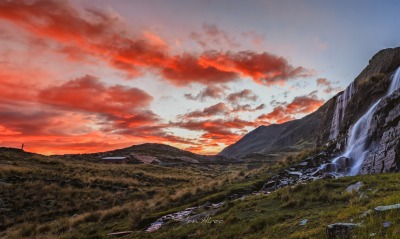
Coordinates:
[278,214]
[51,196]
[47,209]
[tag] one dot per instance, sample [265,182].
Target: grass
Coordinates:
[42,197]
[54,197]
[322,202]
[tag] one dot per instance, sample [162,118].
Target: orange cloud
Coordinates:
[284,112]
[89,94]
[102,35]
[263,68]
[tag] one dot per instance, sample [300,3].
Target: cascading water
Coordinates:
[341,102]
[356,148]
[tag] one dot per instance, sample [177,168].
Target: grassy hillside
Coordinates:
[48,197]
[278,215]
[53,196]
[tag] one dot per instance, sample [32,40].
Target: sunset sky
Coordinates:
[95,75]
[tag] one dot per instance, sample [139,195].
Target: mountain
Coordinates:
[153,153]
[331,122]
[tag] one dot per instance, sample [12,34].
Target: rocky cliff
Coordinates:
[332,121]
[384,134]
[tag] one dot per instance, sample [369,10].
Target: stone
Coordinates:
[381,209]
[385,126]
[354,187]
[340,230]
[303,222]
[386,224]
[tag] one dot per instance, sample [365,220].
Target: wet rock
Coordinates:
[340,230]
[303,164]
[354,187]
[295,173]
[385,129]
[329,176]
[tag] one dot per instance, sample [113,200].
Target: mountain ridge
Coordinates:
[313,130]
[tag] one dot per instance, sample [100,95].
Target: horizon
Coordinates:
[85,76]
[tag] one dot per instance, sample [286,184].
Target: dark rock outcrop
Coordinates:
[385,137]
[340,230]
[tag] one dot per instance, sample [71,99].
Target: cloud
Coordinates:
[212,91]
[328,85]
[212,35]
[88,93]
[247,108]
[218,130]
[214,110]
[220,109]
[284,112]
[104,36]
[256,38]
[244,95]
[264,68]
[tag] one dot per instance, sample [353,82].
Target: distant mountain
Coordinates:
[151,153]
[330,123]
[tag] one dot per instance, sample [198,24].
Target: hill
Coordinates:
[151,153]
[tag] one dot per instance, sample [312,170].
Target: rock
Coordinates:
[366,213]
[207,205]
[354,187]
[385,127]
[386,224]
[295,173]
[381,209]
[303,222]
[340,230]
[119,233]
[302,164]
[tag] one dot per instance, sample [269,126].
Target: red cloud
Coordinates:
[286,111]
[103,36]
[263,68]
[89,94]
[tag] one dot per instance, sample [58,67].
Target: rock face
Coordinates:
[385,137]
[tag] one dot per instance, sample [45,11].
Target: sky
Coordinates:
[83,76]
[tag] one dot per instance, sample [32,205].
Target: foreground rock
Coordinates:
[340,230]
[382,209]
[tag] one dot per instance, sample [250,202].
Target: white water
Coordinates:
[356,142]
[340,106]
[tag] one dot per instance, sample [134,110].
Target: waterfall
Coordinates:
[358,134]
[340,106]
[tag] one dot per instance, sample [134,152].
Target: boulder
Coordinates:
[340,230]
[354,187]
